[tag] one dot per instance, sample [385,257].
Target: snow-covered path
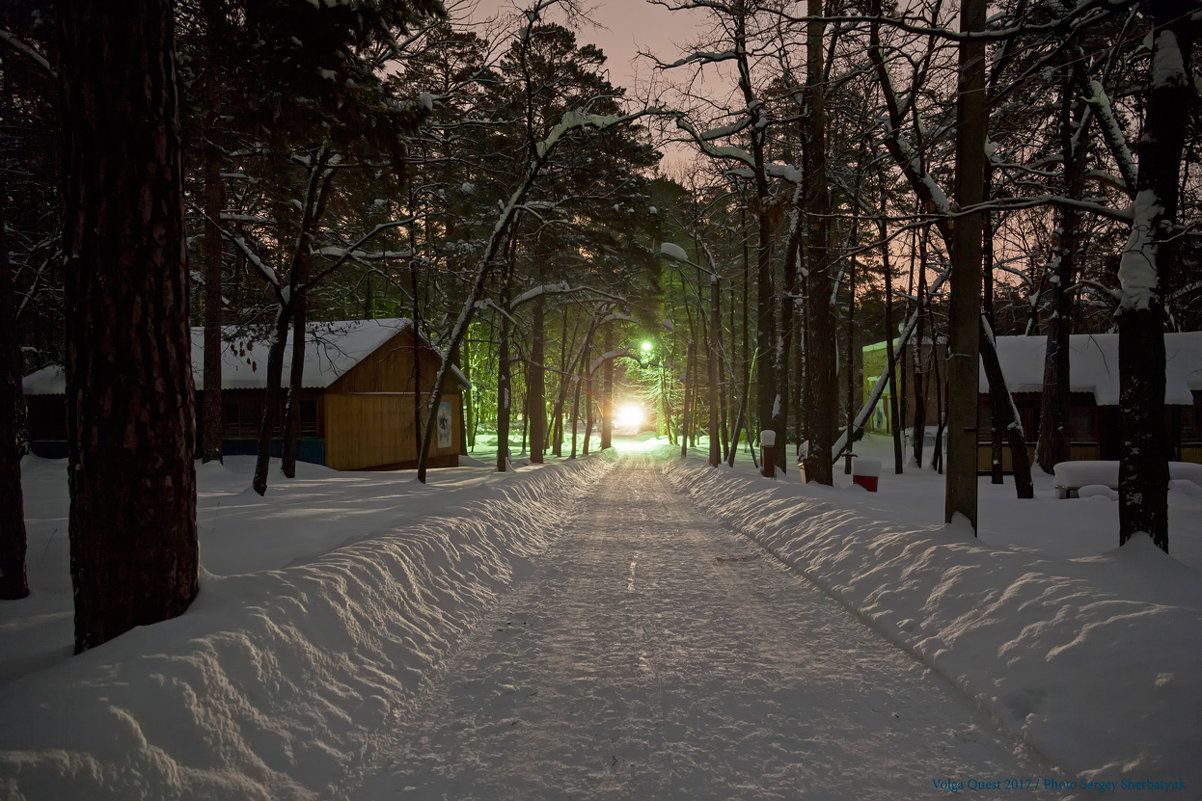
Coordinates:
[655,654]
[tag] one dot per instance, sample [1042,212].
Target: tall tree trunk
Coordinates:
[418,403]
[822,406]
[1005,414]
[890,355]
[14,582]
[536,382]
[504,370]
[849,360]
[580,373]
[1054,445]
[690,390]
[964,308]
[920,360]
[298,289]
[588,409]
[767,353]
[785,379]
[561,396]
[715,339]
[1148,265]
[740,419]
[272,396]
[997,432]
[296,374]
[213,421]
[469,404]
[607,393]
[130,412]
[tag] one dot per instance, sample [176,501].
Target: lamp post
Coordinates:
[675,253]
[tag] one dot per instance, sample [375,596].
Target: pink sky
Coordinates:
[623,28]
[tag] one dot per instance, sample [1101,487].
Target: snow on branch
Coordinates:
[335,252]
[1138,278]
[701,57]
[353,251]
[576,119]
[28,51]
[561,288]
[600,361]
[1099,101]
[674,252]
[710,149]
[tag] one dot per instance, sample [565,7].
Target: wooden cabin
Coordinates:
[1094,387]
[358,405]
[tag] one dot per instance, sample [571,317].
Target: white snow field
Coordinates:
[643,628]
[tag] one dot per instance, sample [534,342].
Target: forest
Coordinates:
[794,182]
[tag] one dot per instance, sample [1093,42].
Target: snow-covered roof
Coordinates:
[331,349]
[48,381]
[1094,365]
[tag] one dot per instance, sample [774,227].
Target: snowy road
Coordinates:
[654,654]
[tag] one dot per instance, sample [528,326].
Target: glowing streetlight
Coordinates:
[630,417]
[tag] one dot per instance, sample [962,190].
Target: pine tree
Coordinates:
[134,555]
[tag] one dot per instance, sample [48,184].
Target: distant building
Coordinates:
[1094,387]
[356,407]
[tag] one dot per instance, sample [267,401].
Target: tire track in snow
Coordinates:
[655,654]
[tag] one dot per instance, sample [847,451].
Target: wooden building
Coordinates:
[359,404]
[1094,387]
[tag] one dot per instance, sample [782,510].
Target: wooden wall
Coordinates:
[390,368]
[376,430]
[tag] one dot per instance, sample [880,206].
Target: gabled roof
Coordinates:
[1094,365]
[331,349]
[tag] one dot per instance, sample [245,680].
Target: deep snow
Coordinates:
[325,605]
[665,658]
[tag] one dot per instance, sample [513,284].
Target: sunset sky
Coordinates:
[623,28]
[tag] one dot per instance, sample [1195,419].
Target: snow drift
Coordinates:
[275,683]
[1090,660]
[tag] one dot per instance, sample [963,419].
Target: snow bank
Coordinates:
[276,683]
[1096,662]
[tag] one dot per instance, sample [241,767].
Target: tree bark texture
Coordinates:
[1054,444]
[965,305]
[1146,268]
[504,369]
[14,582]
[822,405]
[607,392]
[1004,413]
[536,381]
[890,356]
[131,424]
[213,425]
[269,420]
[296,379]
[715,340]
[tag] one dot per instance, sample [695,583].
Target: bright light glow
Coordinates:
[647,346]
[630,417]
